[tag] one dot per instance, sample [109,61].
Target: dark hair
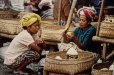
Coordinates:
[24,27]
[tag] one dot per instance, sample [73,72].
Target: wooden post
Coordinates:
[59,12]
[104,51]
[45,72]
[112,53]
[99,21]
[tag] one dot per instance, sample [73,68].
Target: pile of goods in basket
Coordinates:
[71,53]
[106,68]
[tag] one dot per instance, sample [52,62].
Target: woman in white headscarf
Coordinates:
[82,36]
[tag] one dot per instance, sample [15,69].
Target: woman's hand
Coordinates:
[39,41]
[69,35]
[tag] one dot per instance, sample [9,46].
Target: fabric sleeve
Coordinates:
[76,31]
[26,40]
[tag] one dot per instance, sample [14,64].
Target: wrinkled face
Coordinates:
[83,22]
[33,29]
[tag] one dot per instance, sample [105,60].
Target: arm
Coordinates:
[37,45]
[33,46]
[75,40]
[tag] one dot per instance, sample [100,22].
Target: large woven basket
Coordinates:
[52,33]
[64,74]
[6,14]
[84,62]
[10,27]
[96,69]
[107,27]
[107,30]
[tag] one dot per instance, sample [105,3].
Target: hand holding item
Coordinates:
[69,35]
[39,41]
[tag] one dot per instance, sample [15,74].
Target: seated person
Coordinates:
[32,6]
[65,10]
[23,49]
[46,7]
[82,36]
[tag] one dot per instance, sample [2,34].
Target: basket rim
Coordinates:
[91,57]
[79,62]
[48,56]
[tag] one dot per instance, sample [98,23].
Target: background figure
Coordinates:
[65,9]
[7,4]
[17,5]
[46,7]
[32,6]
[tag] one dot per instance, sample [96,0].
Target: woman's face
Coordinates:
[33,29]
[83,22]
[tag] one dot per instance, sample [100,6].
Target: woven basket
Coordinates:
[107,30]
[65,74]
[10,27]
[52,33]
[55,74]
[84,62]
[96,69]
[6,15]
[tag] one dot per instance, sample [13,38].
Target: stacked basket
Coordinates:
[9,28]
[84,62]
[107,27]
[6,14]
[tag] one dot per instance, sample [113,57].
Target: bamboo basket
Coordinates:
[10,27]
[107,30]
[96,69]
[6,14]
[107,27]
[84,62]
[52,33]
[65,74]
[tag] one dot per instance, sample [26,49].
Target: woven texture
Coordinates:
[96,69]
[66,74]
[84,61]
[52,33]
[107,30]
[6,15]
[10,27]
